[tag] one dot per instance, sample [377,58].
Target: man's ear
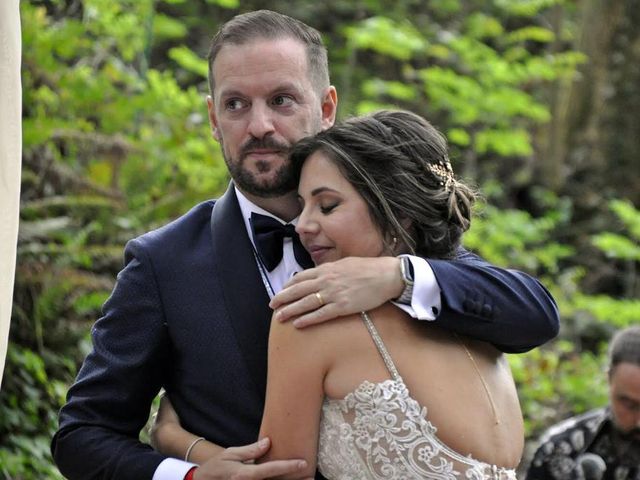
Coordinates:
[329,107]
[213,121]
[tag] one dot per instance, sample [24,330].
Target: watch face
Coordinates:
[407,270]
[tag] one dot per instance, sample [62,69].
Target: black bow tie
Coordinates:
[268,234]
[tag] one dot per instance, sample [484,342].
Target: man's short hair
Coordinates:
[625,347]
[268,25]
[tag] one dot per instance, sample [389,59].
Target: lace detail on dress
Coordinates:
[379,432]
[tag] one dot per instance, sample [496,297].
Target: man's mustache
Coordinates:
[262,143]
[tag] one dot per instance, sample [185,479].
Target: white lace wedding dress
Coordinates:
[380,432]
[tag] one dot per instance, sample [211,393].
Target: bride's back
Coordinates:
[465,385]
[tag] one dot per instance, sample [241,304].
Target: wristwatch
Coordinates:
[406,270]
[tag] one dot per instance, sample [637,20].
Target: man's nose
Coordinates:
[261,122]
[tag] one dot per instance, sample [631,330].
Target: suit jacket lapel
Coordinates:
[243,291]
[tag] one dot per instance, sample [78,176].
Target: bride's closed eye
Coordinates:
[327,209]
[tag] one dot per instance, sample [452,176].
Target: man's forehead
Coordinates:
[261,67]
[627,375]
[263,49]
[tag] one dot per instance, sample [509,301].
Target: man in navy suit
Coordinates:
[190,311]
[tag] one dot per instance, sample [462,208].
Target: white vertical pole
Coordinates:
[10,160]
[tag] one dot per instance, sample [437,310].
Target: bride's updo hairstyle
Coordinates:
[398,162]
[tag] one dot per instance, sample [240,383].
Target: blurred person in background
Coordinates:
[602,444]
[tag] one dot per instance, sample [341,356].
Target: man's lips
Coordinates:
[262,152]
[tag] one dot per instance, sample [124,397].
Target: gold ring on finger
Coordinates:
[320,299]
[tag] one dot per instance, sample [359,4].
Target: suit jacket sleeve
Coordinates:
[507,308]
[110,401]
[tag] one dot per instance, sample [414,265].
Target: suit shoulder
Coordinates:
[193,223]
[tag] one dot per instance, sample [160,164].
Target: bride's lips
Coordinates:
[317,252]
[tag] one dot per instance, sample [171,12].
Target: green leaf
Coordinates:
[188,60]
[525,8]
[225,3]
[479,25]
[368,106]
[617,246]
[446,7]
[629,215]
[398,90]
[167,27]
[400,40]
[536,34]
[621,313]
[459,137]
[504,142]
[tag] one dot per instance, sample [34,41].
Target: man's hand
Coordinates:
[335,289]
[236,463]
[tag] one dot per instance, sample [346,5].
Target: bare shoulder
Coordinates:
[319,342]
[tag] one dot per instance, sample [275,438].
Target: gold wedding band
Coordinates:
[320,299]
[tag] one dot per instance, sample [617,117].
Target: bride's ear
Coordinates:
[398,245]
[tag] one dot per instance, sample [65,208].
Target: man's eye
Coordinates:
[234,104]
[282,101]
[631,405]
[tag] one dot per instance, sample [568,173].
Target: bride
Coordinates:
[379,395]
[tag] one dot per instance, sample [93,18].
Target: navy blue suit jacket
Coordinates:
[190,313]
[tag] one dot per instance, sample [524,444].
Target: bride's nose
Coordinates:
[306,225]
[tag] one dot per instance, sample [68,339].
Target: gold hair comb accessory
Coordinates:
[444,172]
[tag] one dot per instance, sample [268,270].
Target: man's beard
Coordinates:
[282,181]
[633,434]
[629,435]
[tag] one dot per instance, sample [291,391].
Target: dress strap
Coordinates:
[380,346]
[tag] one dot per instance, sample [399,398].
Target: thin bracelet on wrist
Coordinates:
[193,444]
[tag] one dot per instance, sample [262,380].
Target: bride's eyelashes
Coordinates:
[326,210]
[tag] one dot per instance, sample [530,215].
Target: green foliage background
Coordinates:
[116,142]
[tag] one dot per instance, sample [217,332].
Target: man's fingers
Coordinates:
[249,453]
[317,316]
[245,453]
[312,303]
[237,462]
[274,468]
[294,292]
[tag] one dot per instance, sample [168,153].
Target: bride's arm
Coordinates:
[169,437]
[298,361]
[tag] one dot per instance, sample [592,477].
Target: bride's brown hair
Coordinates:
[398,162]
